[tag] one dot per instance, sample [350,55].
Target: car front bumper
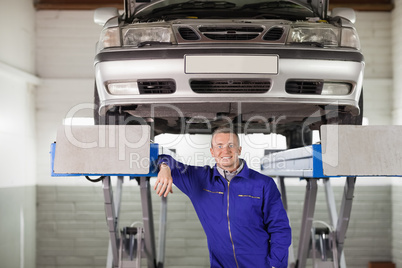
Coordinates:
[338,66]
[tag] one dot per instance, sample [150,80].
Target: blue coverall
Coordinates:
[244,219]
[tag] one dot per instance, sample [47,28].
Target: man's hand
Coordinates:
[164,182]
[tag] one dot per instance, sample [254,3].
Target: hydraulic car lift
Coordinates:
[345,151]
[323,245]
[121,151]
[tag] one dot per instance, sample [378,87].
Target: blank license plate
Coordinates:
[257,64]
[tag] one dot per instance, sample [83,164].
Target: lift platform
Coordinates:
[121,151]
[344,151]
[116,151]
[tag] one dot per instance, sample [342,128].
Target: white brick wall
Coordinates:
[65,44]
[396,225]
[17,46]
[374,29]
[397,59]
[397,120]
[378,100]
[375,34]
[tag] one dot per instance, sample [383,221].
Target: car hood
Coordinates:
[320,7]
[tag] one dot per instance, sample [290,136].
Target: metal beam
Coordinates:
[331,204]
[111,220]
[307,222]
[364,7]
[344,213]
[282,188]
[76,4]
[148,220]
[368,5]
[162,233]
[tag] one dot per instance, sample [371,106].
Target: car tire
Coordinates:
[349,119]
[298,136]
[301,135]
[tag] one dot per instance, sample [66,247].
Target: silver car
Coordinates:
[262,65]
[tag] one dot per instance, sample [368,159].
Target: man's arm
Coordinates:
[171,171]
[164,181]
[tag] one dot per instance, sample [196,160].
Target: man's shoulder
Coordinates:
[255,174]
[259,176]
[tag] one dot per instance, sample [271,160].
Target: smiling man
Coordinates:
[240,209]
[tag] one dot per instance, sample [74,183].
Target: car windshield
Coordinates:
[239,9]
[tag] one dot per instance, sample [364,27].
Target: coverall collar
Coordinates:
[230,175]
[243,171]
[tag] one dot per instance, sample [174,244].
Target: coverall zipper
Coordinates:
[230,233]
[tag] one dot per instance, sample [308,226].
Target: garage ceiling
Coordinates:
[359,5]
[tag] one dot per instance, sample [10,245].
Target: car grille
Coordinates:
[230,86]
[273,34]
[156,86]
[188,34]
[304,86]
[231,33]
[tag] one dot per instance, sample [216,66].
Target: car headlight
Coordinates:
[350,38]
[138,36]
[324,36]
[110,37]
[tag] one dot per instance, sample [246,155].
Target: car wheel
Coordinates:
[301,135]
[348,119]
[344,117]
[298,136]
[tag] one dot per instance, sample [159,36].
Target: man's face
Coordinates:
[226,150]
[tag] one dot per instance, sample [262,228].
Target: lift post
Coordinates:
[307,222]
[344,151]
